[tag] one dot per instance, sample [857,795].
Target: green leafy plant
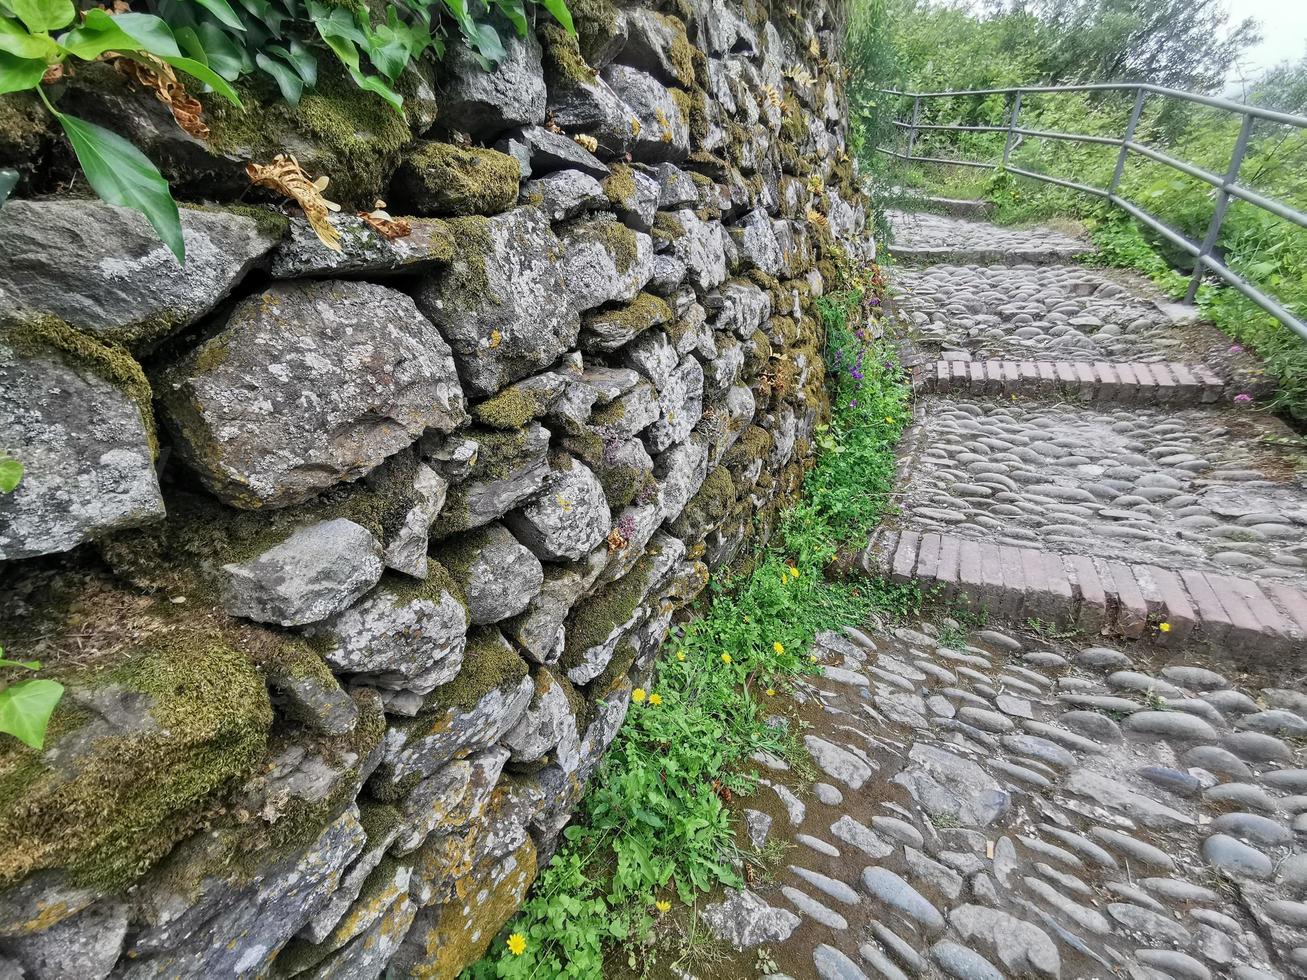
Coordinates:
[11,474]
[216,44]
[654,826]
[117,171]
[26,705]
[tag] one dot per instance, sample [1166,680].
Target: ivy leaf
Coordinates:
[11,470]
[28,664]
[224,55]
[287,79]
[222,10]
[16,40]
[124,33]
[25,709]
[43,16]
[19,74]
[561,14]
[123,175]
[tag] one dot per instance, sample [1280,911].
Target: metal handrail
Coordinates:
[1227,186]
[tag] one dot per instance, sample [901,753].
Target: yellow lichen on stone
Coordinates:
[457,934]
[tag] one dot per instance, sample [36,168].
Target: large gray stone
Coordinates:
[364,250]
[565,194]
[498,574]
[756,240]
[406,550]
[1024,949]
[506,470]
[680,406]
[664,131]
[124,285]
[701,245]
[497,303]
[603,261]
[568,518]
[88,466]
[484,103]
[315,573]
[398,639]
[950,786]
[310,383]
[744,920]
[547,725]
[85,945]
[458,719]
[234,922]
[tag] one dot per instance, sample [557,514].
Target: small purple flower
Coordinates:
[626,524]
[853,404]
[1236,348]
[874,301]
[1243,398]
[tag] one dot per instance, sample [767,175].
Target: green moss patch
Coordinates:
[593,621]
[118,799]
[488,663]
[40,335]
[441,178]
[350,135]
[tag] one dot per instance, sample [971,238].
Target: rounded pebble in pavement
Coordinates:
[961,963]
[1228,854]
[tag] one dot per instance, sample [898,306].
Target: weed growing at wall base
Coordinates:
[654,826]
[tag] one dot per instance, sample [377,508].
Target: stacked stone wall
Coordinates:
[349,561]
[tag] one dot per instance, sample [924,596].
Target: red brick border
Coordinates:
[1124,381]
[1248,620]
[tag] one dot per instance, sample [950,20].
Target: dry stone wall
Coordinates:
[349,561]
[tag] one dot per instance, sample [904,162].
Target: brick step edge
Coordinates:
[1131,382]
[1247,620]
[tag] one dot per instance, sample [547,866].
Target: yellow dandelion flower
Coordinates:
[771,692]
[638,695]
[889,419]
[726,658]
[663,906]
[778,646]
[794,572]
[1165,627]
[655,699]
[680,655]
[813,658]
[517,944]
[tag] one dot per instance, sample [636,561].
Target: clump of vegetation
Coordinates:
[912,46]
[213,44]
[654,830]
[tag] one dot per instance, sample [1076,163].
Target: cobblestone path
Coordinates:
[1086,455]
[999,807]
[1114,784]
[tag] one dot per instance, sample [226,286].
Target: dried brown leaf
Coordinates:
[285,176]
[383,224]
[159,78]
[616,541]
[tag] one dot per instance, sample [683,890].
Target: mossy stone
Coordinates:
[121,793]
[338,130]
[444,179]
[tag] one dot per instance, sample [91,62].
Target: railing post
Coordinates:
[916,118]
[1012,129]
[1222,203]
[1129,136]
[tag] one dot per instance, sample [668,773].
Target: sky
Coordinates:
[1284,33]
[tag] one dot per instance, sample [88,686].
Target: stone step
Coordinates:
[923,238]
[1161,382]
[1247,621]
